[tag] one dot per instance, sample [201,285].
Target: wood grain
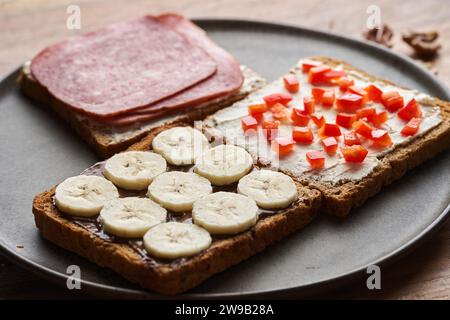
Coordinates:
[27,26]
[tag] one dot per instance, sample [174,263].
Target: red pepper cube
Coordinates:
[349,102]
[328,98]
[316,159]
[350,138]
[411,110]
[330,145]
[367,113]
[363,128]
[249,123]
[299,118]
[317,94]
[309,105]
[274,98]
[283,145]
[291,83]
[412,127]
[316,75]
[345,119]
[330,130]
[258,108]
[381,138]
[302,135]
[270,129]
[357,90]
[355,153]
[373,93]
[379,118]
[331,76]
[318,121]
[392,101]
[309,64]
[344,83]
[279,112]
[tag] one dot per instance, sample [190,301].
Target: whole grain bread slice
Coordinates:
[340,198]
[107,140]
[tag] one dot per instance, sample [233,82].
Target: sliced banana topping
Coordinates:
[270,189]
[131,217]
[173,240]
[177,191]
[224,164]
[225,213]
[84,196]
[134,170]
[180,145]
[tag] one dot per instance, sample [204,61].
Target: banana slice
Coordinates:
[173,240]
[177,191]
[270,189]
[131,217]
[134,170]
[224,164]
[180,145]
[84,196]
[225,213]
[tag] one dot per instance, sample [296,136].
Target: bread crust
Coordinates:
[339,199]
[102,139]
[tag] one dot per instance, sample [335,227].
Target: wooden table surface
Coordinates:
[27,26]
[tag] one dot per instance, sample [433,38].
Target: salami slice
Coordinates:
[225,81]
[122,67]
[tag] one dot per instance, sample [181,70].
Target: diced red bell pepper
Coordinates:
[366,112]
[344,83]
[355,153]
[316,75]
[328,98]
[330,130]
[379,118]
[279,112]
[411,110]
[249,123]
[283,145]
[317,94]
[349,102]
[330,145]
[270,128]
[302,134]
[316,159]
[350,138]
[345,119]
[412,127]
[363,128]
[381,138]
[319,121]
[257,108]
[291,83]
[308,64]
[299,117]
[392,100]
[373,93]
[357,90]
[309,105]
[274,98]
[331,76]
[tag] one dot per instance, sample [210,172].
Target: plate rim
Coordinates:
[319,286]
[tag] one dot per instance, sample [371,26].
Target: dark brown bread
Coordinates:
[339,199]
[105,140]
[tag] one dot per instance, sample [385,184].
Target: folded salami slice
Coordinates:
[122,67]
[224,82]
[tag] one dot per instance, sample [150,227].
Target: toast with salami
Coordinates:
[343,132]
[116,84]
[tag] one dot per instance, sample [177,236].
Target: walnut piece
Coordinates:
[382,35]
[424,44]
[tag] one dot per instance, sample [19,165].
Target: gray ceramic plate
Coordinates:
[39,150]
